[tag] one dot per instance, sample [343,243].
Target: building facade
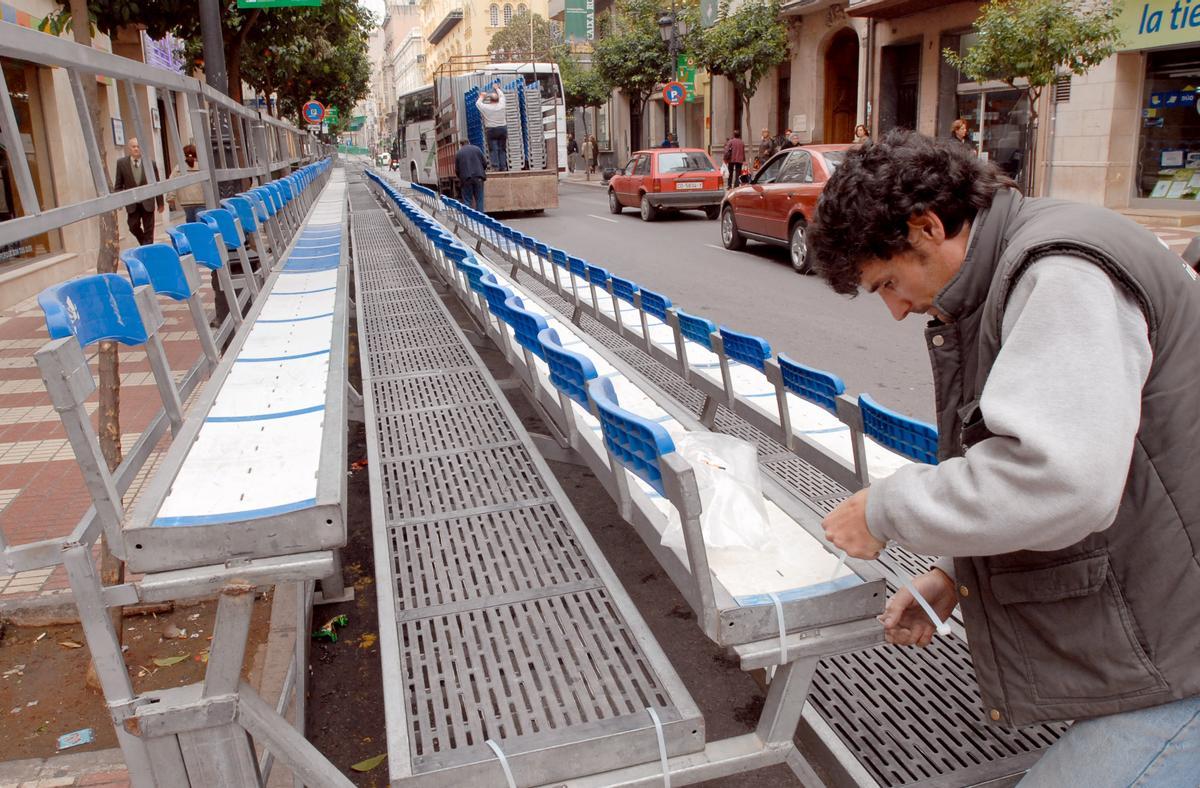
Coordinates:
[464,28]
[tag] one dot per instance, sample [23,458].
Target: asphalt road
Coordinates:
[754,291]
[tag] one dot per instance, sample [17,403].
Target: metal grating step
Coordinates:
[461,561]
[504,627]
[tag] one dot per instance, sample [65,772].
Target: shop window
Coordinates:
[1169,139]
[26,103]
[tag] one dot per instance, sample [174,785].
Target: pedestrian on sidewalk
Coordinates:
[766,146]
[669,141]
[131,173]
[471,169]
[1062,337]
[572,152]
[734,157]
[590,150]
[786,140]
[960,132]
[861,135]
[492,106]
[189,198]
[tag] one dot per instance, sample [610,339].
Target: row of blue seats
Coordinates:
[905,436]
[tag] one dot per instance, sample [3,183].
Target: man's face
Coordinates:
[135,150]
[908,282]
[190,158]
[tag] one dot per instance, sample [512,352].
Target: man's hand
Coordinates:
[846,528]
[905,623]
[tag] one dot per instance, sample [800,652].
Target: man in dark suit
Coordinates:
[471,169]
[130,173]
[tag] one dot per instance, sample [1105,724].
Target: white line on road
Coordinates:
[602,218]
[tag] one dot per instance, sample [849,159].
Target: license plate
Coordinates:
[689,185]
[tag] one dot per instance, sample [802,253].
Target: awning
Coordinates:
[891,9]
[446,25]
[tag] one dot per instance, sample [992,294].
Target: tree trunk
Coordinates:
[233,55]
[112,570]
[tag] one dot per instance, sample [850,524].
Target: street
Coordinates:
[754,291]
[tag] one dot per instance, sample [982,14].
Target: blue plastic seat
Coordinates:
[815,385]
[202,240]
[225,223]
[243,209]
[636,443]
[526,326]
[910,438]
[158,266]
[93,309]
[655,304]
[696,328]
[179,241]
[569,371]
[746,348]
[623,288]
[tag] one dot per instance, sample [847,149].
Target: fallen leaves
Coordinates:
[369,763]
[367,640]
[70,644]
[166,662]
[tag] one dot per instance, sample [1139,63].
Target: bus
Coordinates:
[415,149]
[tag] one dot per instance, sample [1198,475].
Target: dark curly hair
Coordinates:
[864,209]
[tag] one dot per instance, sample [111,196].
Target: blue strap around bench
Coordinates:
[526,326]
[92,309]
[696,328]
[158,266]
[637,443]
[569,371]
[623,288]
[815,385]
[908,437]
[655,304]
[745,348]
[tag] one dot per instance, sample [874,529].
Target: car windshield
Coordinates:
[684,161]
[834,159]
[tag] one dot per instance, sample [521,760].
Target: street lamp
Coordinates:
[672,28]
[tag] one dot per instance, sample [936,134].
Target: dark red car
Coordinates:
[777,204]
[667,179]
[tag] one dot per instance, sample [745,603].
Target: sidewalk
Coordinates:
[578,177]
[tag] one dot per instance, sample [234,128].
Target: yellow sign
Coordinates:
[1146,24]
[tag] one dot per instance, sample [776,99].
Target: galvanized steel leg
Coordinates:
[785,701]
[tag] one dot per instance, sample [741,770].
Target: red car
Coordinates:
[667,179]
[777,204]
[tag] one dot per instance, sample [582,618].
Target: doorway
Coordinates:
[783,98]
[899,78]
[841,87]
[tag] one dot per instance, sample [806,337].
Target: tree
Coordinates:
[582,86]
[1029,43]
[742,47]
[309,31]
[632,56]
[514,40]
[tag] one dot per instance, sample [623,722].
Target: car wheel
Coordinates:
[730,236]
[798,246]
[614,205]
[649,212]
[712,211]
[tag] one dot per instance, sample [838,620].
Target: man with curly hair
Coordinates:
[1064,342]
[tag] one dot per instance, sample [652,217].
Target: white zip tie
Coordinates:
[503,763]
[841,563]
[943,627]
[782,627]
[662,747]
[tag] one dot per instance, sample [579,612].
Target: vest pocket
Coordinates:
[1074,631]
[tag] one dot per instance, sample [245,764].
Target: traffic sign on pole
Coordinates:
[674,93]
[314,111]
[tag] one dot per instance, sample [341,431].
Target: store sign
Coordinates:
[579,22]
[1145,24]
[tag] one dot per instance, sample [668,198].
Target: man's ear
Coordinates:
[926,228]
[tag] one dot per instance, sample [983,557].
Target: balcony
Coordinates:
[446,25]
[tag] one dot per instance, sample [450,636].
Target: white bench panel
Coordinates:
[271,388]
[286,340]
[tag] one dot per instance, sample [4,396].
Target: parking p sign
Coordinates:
[674,93]
[314,111]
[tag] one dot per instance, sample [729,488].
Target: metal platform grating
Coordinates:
[475,560]
[504,628]
[914,714]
